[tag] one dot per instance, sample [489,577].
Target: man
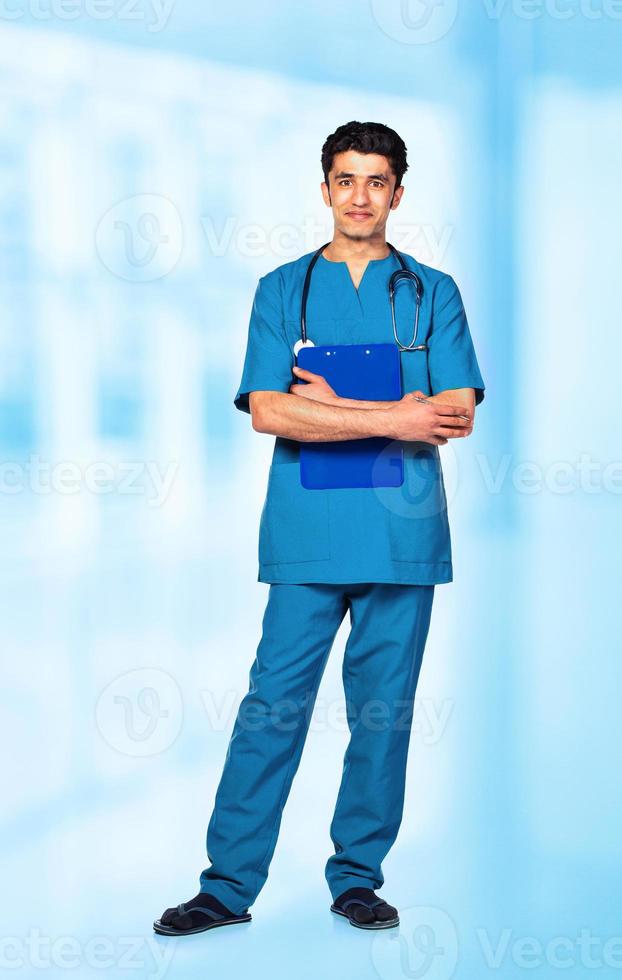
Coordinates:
[375,553]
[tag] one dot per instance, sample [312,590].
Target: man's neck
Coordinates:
[343,249]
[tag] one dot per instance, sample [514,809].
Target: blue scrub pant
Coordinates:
[382,660]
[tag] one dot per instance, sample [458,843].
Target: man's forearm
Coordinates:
[307,420]
[358,403]
[456,396]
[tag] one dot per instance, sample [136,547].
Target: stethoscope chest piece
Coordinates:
[302,343]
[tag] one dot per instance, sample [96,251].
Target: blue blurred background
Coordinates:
[157,157]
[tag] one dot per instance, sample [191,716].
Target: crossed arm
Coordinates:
[317,414]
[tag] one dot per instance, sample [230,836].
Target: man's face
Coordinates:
[361,192]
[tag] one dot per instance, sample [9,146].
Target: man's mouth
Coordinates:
[358,215]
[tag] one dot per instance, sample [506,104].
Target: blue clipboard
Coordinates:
[365,372]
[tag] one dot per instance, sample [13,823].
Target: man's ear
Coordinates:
[397,197]
[326,194]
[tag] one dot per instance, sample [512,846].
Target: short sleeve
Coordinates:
[452,362]
[269,360]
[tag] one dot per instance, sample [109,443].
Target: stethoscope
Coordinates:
[400,275]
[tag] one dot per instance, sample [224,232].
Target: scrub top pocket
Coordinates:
[294,525]
[417,518]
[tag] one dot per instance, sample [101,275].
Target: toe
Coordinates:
[361,914]
[178,918]
[385,912]
[185,921]
[167,917]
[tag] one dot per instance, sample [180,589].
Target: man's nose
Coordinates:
[360,197]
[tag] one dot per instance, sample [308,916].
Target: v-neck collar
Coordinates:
[358,293]
[342,262]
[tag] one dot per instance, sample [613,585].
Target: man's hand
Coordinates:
[318,389]
[429,421]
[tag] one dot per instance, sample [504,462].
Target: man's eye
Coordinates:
[344,180]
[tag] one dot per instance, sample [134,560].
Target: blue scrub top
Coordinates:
[388,534]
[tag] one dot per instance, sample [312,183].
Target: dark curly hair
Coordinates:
[367,137]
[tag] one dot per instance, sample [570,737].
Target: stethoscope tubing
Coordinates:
[400,275]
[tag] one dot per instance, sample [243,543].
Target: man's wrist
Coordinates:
[382,420]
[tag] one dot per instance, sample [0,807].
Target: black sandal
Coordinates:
[199,914]
[363,909]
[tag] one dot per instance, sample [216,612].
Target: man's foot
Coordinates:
[365,910]
[202,912]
